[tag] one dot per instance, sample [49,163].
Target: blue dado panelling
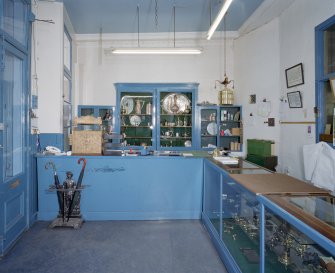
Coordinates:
[128,188]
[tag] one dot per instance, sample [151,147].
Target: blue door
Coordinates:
[13,146]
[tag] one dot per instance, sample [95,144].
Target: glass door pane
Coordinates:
[137,118]
[208,128]
[176,119]
[14,115]
[15,20]
[329,50]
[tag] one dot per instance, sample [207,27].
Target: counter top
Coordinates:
[275,183]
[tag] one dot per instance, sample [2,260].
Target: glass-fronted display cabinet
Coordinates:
[159,116]
[298,233]
[272,233]
[136,118]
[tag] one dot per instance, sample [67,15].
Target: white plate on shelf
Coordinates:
[127,104]
[188,143]
[135,120]
[175,103]
[212,128]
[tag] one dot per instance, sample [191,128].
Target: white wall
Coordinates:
[48,64]
[256,62]
[297,45]
[97,76]
[261,58]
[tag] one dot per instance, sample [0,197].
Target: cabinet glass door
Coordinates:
[230,129]
[208,128]
[136,113]
[176,119]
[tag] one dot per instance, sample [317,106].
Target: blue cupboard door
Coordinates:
[13,145]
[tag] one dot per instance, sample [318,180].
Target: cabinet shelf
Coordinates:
[133,126]
[138,137]
[164,137]
[127,115]
[176,126]
[174,115]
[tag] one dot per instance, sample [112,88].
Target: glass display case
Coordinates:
[272,233]
[298,233]
[136,114]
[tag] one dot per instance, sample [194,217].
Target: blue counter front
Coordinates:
[127,188]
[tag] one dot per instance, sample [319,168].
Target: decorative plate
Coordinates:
[175,103]
[188,143]
[135,120]
[127,104]
[212,128]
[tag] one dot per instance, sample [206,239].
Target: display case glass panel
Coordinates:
[298,250]
[136,112]
[176,120]
[208,128]
[240,225]
[212,196]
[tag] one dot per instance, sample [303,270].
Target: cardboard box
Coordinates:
[235,131]
[87,142]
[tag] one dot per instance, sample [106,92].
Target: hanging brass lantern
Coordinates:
[226,95]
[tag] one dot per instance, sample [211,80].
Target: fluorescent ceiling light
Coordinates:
[158,51]
[218,18]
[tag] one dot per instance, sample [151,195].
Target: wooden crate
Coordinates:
[86,142]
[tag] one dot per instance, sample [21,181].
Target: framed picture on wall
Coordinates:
[294,75]
[332,85]
[294,99]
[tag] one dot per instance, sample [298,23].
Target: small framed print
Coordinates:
[294,99]
[294,75]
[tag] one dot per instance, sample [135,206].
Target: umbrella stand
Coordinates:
[70,196]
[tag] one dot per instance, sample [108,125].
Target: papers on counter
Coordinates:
[226,160]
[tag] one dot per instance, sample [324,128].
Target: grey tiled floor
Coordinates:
[115,246]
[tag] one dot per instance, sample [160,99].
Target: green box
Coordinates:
[259,147]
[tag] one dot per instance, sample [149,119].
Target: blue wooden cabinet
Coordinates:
[160,116]
[220,127]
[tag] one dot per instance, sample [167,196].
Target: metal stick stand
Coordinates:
[63,219]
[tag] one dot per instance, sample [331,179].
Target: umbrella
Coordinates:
[76,194]
[57,186]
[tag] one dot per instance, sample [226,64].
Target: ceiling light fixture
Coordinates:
[157,51]
[153,50]
[218,19]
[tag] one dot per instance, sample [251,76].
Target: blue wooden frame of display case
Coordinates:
[156,89]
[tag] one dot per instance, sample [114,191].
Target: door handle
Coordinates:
[15,184]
